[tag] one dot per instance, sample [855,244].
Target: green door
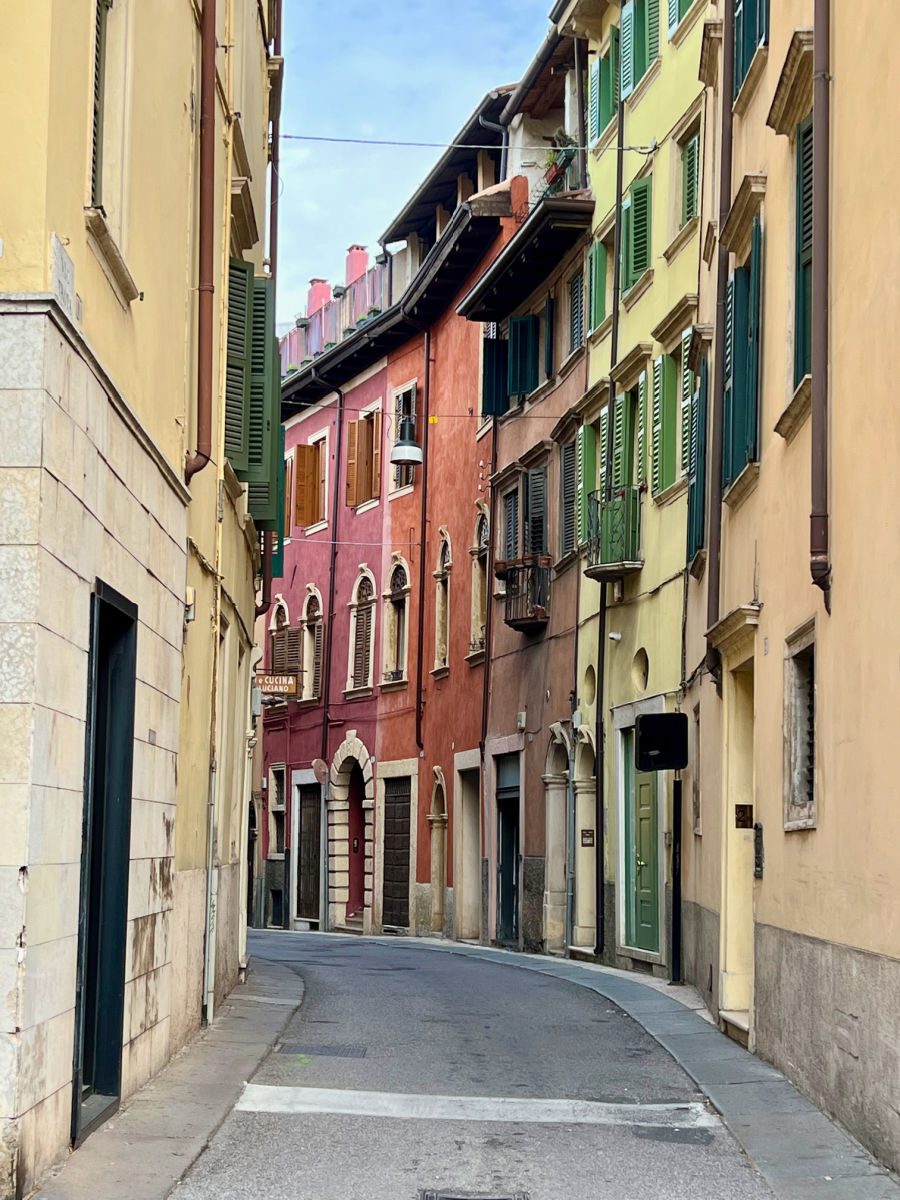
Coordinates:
[641,855]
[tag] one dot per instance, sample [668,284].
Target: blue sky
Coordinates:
[405,69]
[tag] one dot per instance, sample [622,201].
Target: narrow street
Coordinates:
[388,1029]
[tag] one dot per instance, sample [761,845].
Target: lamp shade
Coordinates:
[406,450]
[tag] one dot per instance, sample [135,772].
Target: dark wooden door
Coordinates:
[308,852]
[356,849]
[397,793]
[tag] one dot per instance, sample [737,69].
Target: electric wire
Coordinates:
[347,141]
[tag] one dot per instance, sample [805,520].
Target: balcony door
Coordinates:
[641,854]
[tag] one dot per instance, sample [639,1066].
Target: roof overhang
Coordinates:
[549,233]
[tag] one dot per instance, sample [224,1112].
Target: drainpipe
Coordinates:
[265,600]
[423,523]
[489,599]
[579,101]
[819,560]
[503,130]
[205,286]
[715,494]
[328,617]
[599,724]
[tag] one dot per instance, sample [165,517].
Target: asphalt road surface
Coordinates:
[407,1071]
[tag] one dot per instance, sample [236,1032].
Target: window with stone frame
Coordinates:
[403,474]
[313,647]
[800,729]
[362,634]
[276,811]
[479,553]
[396,625]
[442,605]
[285,645]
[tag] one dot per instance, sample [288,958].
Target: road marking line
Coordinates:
[410,1106]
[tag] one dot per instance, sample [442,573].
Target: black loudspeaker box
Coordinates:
[661,742]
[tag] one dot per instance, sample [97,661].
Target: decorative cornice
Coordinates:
[738,227]
[676,320]
[626,371]
[245,232]
[709,241]
[709,52]
[566,427]
[729,630]
[536,452]
[631,297]
[797,410]
[110,255]
[701,341]
[755,72]
[793,93]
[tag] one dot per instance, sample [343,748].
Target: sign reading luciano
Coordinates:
[277,685]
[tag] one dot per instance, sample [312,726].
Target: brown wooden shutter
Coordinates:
[293,650]
[289,506]
[279,651]
[307,468]
[321,500]
[376,455]
[362,645]
[352,440]
[317,660]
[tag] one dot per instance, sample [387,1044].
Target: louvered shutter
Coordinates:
[625,245]
[652,11]
[690,181]
[697,485]
[670,421]
[614,67]
[754,317]
[576,313]
[494,377]
[642,429]
[306,487]
[687,394]
[568,490]
[293,650]
[604,449]
[289,491]
[237,363]
[510,525]
[375,489]
[536,511]
[524,342]
[598,285]
[279,652]
[656,432]
[803,269]
[265,404]
[740,65]
[673,16]
[626,48]
[317,659]
[362,644]
[594,87]
[641,204]
[284,466]
[549,326]
[728,396]
[619,470]
[352,481]
[100,23]
[586,463]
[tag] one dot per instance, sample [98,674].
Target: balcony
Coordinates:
[614,534]
[528,594]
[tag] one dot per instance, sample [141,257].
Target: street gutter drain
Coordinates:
[323,1051]
[432,1195]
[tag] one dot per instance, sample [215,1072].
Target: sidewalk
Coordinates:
[144,1150]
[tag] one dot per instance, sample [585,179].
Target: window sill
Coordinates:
[275,856]
[367,506]
[439,672]
[110,256]
[560,567]
[309,701]
[736,493]
[672,492]
[788,424]
[644,83]
[475,657]
[631,297]
[793,824]
[751,81]
[483,430]
[687,22]
[681,239]
[357,693]
[697,565]
[406,490]
[568,363]
[605,139]
[602,331]
[394,685]
[317,528]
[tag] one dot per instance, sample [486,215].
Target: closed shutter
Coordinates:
[586,464]
[598,284]
[568,490]
[293,650]
[510,525]
[673,16]
[690,181]
[614,67]
[687,394]
[237,363]
[265,404]
[604,448]
[361,646]
[625,245]
[642,430]
[728,386]
[494,377]
[670,422]
[289,464]
[524,342]
[536,511]
[549,325]
[375,488]
[100,23]
[352,481]
[626,47]
[642,211]
[318,630]
[740,66]
[803,302]
[279,652]
[306,489]
[754,319]
[656,430]
[576,312]
[619,470]
[652,32]
[697,484]
[595,127]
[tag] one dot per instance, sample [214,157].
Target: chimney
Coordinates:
[319,295]
[357,263]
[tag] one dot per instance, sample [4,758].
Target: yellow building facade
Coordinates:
[127,574]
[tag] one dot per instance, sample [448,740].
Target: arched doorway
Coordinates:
[437,819]
[584,924]
[356,844]
[351,813]
[556,790]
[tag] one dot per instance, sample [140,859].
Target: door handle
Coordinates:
[639,862]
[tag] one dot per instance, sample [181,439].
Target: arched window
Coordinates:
[479,553]
[362,630]
[313,638]
[285,647]
[442,605]
[396,625]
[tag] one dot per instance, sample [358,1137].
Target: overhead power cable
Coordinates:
[348,141]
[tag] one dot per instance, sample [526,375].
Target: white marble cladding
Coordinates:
[82,496]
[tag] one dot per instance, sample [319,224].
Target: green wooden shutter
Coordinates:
[494,375]
[576,312]
[619,447]
[674,16]
[641,222]
[568,496]
[598,284]
[697,485]
[590,288]
[586,447]
[265,397]
[595,89]
[803,268]
[511,525]
[536,511]
[524,343]
[605,96]
[687,395]
[614,67]
[278,547]
[652,19]
[625,254]
[670,422]
[754,318]
[100,24]
[549,326]
[735,415]
[237,368]
[656,427]
[740,66]
[626,46]
[728,396]
[604,448]
[642,429]
[690,179]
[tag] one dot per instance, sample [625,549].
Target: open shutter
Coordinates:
[306,460]
[283,467]
[656,435]
[621,467]
[738,47]
[549,325]
[594,102]
[294,650]
[690,182]
[375,490]
[237,366]
[614,67]
[536,511]
[642,429]
[754,316]
[265,404]
[687,395]
[100,18]
[576,312]
[673,16]
[697,484]
[728,397]
[586,450]
[494,377]
[317,659]
[652,32]
[524,341]
[511,525]
[288,498]
[670,422]
[598,285]
[625,254]
[604,449]
[626,47]
[352,482]
[641,201]
[803,268]
[568,488]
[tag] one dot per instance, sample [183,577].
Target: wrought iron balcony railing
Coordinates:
[614,534]
[528,594]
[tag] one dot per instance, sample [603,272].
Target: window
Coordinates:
[364,459]
[276,812]
[690,178]
[101,19]
[479,553]
[494,373]
[536,540]
[396,623]
[603,88]
[309,484]
[567,497]
[286,646]
[800,724]
[697,467]
[586,469]
[803,268]
[639,42]
[442,605]
[742,340]
[576,312]
[637,227]
[677,9]
[313,636]
[664,423]
[511,525]
[597,259]
[403,474]
[362,631]
[751,30]
[524,354]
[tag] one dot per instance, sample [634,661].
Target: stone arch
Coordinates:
[585,915]
[345,821]
[280,617]
[556,807]
[437,821]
